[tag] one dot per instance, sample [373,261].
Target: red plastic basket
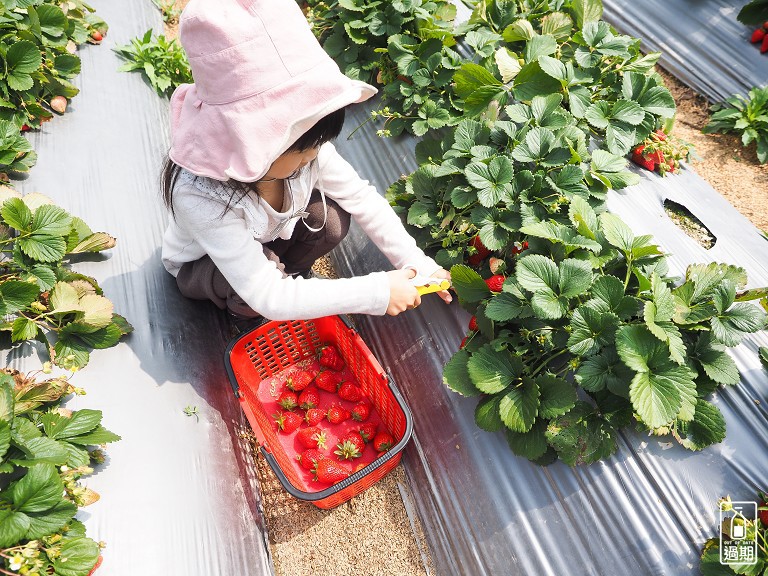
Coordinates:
[268,349]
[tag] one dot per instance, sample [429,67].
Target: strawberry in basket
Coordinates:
[330,358]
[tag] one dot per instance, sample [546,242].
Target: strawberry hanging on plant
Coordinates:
[481,254]
[661,153]
[495,282]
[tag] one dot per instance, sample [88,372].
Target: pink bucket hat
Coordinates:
[261,81]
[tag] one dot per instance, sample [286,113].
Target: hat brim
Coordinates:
[240,140]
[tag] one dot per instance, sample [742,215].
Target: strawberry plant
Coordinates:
[168,10]
[745,116]
[38,51]
[588,337]
[42,299]
[162,61]
[487,179]
[354,32]
[754,12]
[44,451]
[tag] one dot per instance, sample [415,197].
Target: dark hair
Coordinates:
[325,130]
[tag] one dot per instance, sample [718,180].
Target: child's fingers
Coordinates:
[446,296]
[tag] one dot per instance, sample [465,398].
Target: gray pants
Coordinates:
[201,280]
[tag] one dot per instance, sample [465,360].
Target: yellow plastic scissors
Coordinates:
[427,284]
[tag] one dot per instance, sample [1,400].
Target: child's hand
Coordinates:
[402,294]
[444,294]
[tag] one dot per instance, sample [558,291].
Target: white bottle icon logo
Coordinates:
[738,531]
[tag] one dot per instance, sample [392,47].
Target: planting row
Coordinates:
[533,132]
[45,448]
[39,50]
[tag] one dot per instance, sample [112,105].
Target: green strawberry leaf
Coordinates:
[706,428]
[487,414]
[98,435]
[13,527]
[656,395]
[76,557]
[39,490]
[591,330]
[456,375]
[581,436]
[741,319]
[557,396]
[469,285]
[50,521]
[604,370]
[81,422]
[519,406]
[531,444]
[492,371]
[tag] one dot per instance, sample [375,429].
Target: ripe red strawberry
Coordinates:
[330,358]
[495,282]
[313,416]
[763,514]
[300,380]
[764,45]
[328,380]
[97,36]
[309,458]
[473,323]
[367,431]
[758,35]
[288,400]
[348,391]
[309,398]
[312,437]
[350,446]
[482,251]
[359,467]
[287,422]
[361,411]
[463,342]
[24,128]
[338,414]
[383,441]
[661,135]
[329,471]
[640,160]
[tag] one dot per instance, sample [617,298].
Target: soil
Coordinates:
[378,532]
[725,164]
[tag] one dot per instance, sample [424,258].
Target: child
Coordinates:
[256,191]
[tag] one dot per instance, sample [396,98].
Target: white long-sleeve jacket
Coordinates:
[234,240]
